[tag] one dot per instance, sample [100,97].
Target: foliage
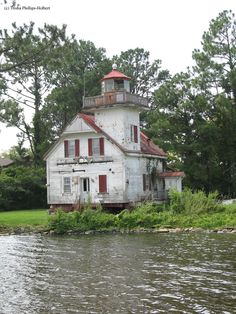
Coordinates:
[27,56]
[193,203]
[194,113]
[61,221]
[22,187]
[88,219]
[77,76]
[186,210]
[145,75]
[147,216]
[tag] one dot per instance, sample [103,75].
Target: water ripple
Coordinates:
[167,273]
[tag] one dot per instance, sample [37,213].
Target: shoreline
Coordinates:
[46,232]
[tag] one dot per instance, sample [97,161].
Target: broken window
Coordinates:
[85,185]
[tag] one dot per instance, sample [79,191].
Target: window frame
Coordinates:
[134,133]
[85,182]
[71,148]
[68,184]
[99,146]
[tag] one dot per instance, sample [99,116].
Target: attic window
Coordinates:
[96,146]
[71,148]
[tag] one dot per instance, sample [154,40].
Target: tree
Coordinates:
[78,76]
[145,75]
[194,113]
[26,73]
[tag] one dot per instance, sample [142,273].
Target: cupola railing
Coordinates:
[115,97]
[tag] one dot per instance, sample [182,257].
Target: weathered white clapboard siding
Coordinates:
[116,122]
[132,163]
[113,169]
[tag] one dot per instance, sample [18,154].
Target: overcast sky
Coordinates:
[169,29]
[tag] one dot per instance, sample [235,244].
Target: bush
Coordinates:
[62,221]
[22,188]
[193,203]
[89,219]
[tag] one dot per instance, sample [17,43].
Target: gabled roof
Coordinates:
[147,145]
[114,74]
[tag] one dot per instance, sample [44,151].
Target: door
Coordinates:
[84,190]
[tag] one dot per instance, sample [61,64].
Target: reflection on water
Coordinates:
[145,273]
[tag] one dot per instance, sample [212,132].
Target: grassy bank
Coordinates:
[184,210]
[148,216]
[28,219]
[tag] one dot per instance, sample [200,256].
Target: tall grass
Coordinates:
[193,202]
[150,215]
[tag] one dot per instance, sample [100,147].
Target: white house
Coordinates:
[103,156]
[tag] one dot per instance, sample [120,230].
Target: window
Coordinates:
[102,183]
[67,184]
[71,148]
[96,146]
[134,133]
[118,84]
[146,182]
[85,185]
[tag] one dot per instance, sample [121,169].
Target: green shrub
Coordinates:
[145,215]
[95,220]
[22,187]
[193,202]
[61,221]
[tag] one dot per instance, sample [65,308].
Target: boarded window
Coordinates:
[96,146]
[71,148]
[67,184]
[102,183]
[134,133]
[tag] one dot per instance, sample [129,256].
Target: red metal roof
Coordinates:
[171,174]
[115,74]
[89,119]
[148,147]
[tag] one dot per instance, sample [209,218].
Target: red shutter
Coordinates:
[135,134]
[77,148]
[144,182]
[66,151]
[101,144]
[90,147]
[102,183]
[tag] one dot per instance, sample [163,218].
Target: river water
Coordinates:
[132,273]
